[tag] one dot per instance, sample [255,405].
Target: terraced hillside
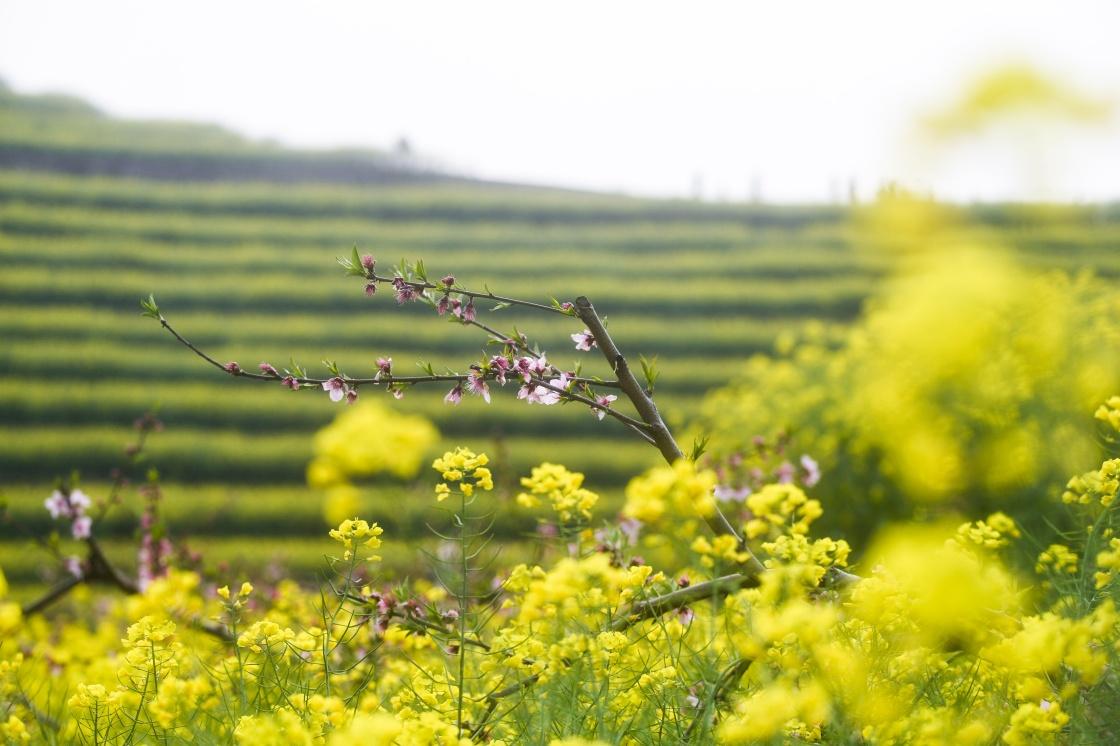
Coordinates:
[245,268]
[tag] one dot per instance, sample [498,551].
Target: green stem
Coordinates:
[462,518]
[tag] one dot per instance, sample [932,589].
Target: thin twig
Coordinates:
[424,285]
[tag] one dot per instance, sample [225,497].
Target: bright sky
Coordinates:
[785,99]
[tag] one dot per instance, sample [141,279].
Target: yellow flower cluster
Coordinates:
[672,497]
[10,612]
[1057,558]
[562,488]
[1109,412]
[781,508]
[1098,486]
[994,532]
[1108,563]
[723,550]
[464,469]
[1034,722]
[364,441]
[354,531]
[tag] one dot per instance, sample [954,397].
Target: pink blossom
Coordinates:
[630,527]
[449,280]
[468,311]
[476,384]
[456,307]
[73,565]
[567,306]
[537,395]
[57,505]
[398,392]
[525,367]
[405,291]
[82,526]
[784,472]
[368,262]
[547,397]
[603,401]
[267,369]
[500,364]
[290,382]
[725,493]
[371,288]
[812,471]
[232,368]
[455,395]
[442,306]
[685,615]
[336,387]
[585,340]
[79,501]
[384,367]
[351,395]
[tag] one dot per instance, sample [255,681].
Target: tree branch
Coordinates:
[727,679]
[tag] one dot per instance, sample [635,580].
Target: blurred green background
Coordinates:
[237,240]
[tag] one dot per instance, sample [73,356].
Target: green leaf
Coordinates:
[150,309]
[699,446]
[501,306]
[649,369]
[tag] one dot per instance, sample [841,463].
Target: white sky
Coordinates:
[646,97]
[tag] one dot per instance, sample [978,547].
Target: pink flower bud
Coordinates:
[351,395]
[368,262]
[290,382]
[405,291]
[468,312]
[449,280]
[232,368]
[269,370]
[371,288]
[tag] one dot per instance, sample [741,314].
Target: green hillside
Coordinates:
[238,241]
